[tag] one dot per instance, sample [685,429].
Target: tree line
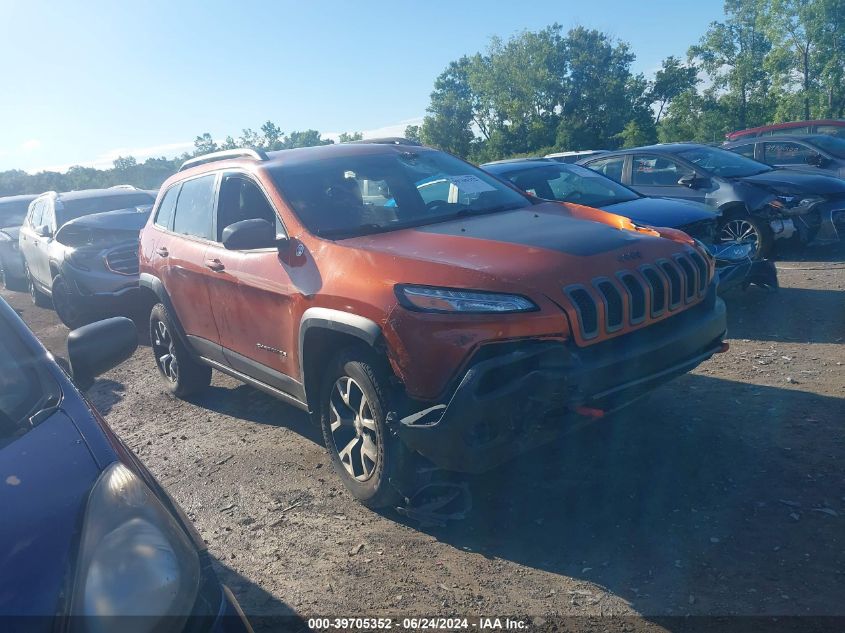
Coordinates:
[550,90]
[766,61]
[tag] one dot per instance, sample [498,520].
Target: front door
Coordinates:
[656,175]
[251,292]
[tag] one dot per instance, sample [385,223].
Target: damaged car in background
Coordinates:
[759,204]
[81,256]
[552,180]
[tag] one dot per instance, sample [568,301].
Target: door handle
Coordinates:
[163,251]
[215,264]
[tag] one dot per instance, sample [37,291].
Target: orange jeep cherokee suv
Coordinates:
[414,304]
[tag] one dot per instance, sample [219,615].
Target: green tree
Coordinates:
[272,136]
[122,163]
[733,53]
[204,144]
[412,133]
[672,79]
[346,137]
[450,112]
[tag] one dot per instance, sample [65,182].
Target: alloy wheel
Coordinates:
[64,305]
[165,351]
[740,231]
[354,430]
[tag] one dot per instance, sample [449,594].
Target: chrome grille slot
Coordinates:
[690,279]
[674,283]
[613,309]
[658,290]
[123,261]
[636,297]
[587,311]
[703,271]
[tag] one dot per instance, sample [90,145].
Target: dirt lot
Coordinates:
[724,493]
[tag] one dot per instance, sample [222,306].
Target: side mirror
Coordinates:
[688,180]
[248,235]
[43,231]
[95,348]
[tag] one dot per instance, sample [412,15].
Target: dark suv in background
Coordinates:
[759,204]
[12,212]
[82,254]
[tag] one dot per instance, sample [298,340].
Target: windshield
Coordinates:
[832,145]
[570,183]
[13,213]
[25,386]
[359,194]
[72,209]
[720,162]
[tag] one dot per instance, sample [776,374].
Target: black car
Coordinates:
[759,203]
[12,212]
[815,153]
[95,543]
[552,180]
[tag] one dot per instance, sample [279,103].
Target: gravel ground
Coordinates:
[721,494]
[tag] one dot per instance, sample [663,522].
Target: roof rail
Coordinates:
[389,140]
[133,187]
[255,154]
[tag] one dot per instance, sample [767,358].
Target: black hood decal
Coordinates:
[544,226]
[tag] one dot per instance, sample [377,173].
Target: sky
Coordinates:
[86,81]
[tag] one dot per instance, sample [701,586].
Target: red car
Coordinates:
[833,127]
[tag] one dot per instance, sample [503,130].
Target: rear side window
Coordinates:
[37,213]
[194,208]
[656,171]
[784,153]
[165,210]
[610,167]
[745,150]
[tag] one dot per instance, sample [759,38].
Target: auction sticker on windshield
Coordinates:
[470,184]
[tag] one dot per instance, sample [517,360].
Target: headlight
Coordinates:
[134,559]
[80,258]
[429,299]
[795,205]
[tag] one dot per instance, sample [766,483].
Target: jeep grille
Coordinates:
[634,297]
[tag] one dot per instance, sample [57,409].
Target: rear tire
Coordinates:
[182,373]
[37,297]
[354,402]
[67,305]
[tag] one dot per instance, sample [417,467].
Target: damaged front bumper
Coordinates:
[530,392]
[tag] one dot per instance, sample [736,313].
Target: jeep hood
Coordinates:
[669,212]
[542,247]
[789,181]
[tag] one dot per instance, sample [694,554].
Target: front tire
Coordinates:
[67,305]
[183,375]
[747,229]
[365,454]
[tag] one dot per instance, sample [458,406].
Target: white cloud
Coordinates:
[395,129]
[106,159]
[31,145]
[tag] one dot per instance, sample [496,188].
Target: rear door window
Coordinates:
[195,208]
[164,215]
[37,214]
[745,150]
[656,171]
[610,167]
[786,153]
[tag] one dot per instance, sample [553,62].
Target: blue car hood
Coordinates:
[45,478]
[668,212]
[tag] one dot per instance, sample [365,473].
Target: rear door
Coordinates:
[38,259]
[179,258]
[251,291]
[26,240]
[658,175]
